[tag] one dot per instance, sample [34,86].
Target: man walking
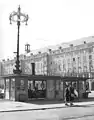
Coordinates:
[69,94]
[72,95]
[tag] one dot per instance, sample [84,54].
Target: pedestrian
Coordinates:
[67,94]
[71,94]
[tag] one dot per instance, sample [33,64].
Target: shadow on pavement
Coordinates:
[82,106]
[46,102]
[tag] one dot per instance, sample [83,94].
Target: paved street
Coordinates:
[79,112]
[47,110]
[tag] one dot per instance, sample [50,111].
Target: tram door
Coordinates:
[36,89]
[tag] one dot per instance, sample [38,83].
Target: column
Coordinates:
[50,89]
[78,88]
[63,89]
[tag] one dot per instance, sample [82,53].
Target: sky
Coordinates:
[51,22]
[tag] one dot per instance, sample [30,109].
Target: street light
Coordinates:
[19,18]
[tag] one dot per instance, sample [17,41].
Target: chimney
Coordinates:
[3,60]
[31,54]
[71,45]
[39,52]
[84,42]
[27,48]
[50,50]
[60,47]
[7,59]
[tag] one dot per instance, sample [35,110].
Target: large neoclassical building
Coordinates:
[75,58]
[68,59]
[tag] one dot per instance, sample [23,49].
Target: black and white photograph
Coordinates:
[47,60]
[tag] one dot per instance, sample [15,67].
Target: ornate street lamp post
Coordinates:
[18,17]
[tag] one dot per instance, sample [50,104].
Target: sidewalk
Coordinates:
[12,106]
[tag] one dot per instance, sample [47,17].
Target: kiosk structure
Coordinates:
[16,86]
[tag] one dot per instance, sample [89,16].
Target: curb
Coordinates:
[45,108]
[32,109]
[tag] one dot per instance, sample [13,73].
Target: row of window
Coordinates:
[57,64]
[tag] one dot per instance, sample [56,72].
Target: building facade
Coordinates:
[68,59]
